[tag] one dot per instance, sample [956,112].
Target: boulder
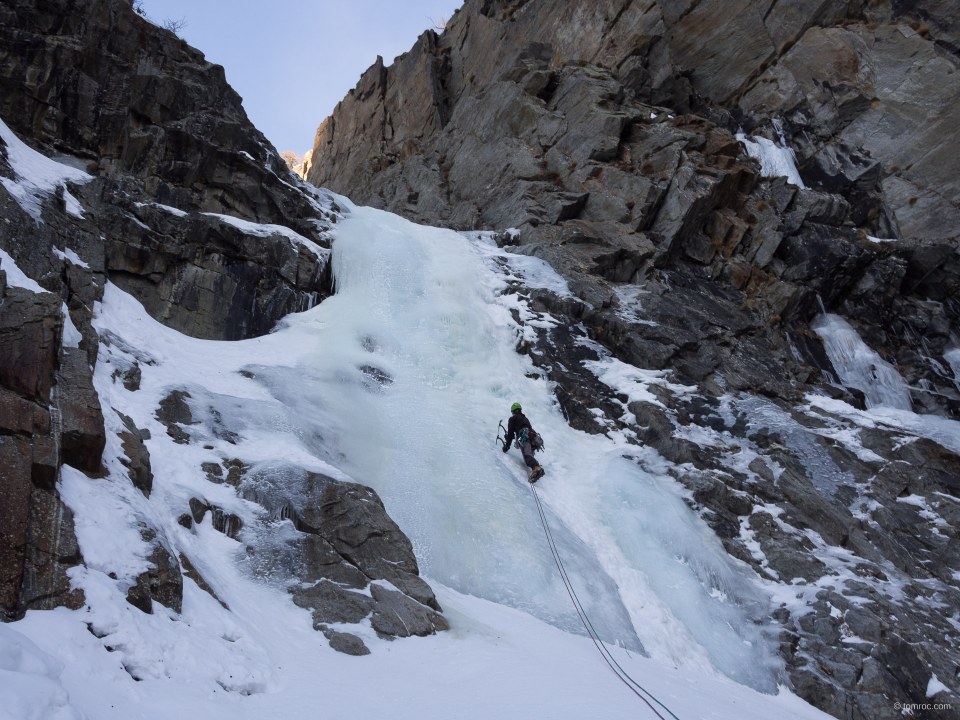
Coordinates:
[352,519]
[396,614]
[161,582]
[345,643]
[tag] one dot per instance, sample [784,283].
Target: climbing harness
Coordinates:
[534,438]
[588,626]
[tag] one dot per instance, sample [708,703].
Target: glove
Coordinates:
[506,447]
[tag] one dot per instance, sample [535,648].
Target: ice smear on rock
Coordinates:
[826,475]
[953,357]
[37,175]
[776,160]
[860,367]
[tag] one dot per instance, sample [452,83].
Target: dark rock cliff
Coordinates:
[601,137]
[150,176]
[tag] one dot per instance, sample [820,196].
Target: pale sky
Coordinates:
[292,61]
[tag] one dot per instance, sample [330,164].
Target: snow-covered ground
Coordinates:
[398,382]
[495,662]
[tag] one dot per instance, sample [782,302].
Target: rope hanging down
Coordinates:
[588,626]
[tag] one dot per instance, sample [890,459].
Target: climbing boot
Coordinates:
[535,474]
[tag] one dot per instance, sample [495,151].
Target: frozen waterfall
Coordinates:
[860,367]
[414,366]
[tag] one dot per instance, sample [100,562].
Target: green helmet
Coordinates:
[514,407]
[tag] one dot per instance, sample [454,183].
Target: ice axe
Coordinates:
[500,428]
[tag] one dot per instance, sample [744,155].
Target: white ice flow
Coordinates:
[886,393]
[398,381]
[952,357]
[859,366]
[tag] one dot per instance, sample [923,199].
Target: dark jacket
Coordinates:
[518,421]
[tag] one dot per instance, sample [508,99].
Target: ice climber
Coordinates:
[520,428]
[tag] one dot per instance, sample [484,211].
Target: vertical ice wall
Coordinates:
[415,364]
[859,366]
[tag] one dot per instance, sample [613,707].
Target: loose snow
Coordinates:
[71,336]
[267,230]
[167,208]
[531,271]
[935,686]
[68,254]
[633,381]
[30,687]
[71,204]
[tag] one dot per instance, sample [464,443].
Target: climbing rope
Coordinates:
[588,626]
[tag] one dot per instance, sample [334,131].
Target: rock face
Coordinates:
[162,582]
[126,158]
[37,542]
[602,137]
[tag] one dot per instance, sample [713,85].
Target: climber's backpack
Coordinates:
[536,441]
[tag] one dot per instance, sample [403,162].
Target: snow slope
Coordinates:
[398,382]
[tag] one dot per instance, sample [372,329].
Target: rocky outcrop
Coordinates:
[161,582]
[137,457]
[171,150]
[148,121]
[604,137]
[135,103]
[347,557]
[585,142]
